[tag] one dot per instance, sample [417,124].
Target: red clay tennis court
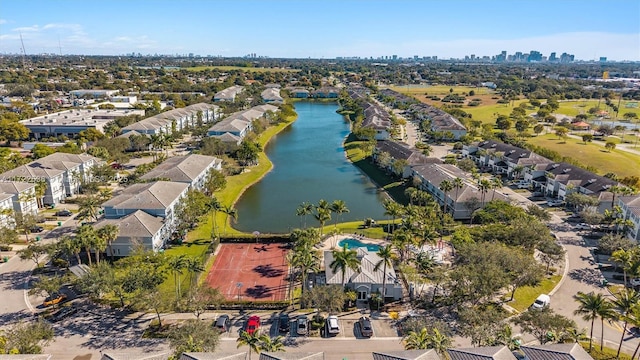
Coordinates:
[254,272]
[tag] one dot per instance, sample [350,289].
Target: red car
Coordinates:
[252,325]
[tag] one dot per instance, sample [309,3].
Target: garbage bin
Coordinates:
[5,259]
[605,282]
[37,238]
[59,223]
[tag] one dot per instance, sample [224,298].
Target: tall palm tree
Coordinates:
[634,318]
[416,340]
[306,258]
[458,184]
[177,264]
[88,207]
[271,345]
[305,209]
[40,190]
[194,267]
[386,255]
[214,207]
[99,245]
[70,246]
[445,186]
[344,259]
[109,233]
[496,183]
[625,301]
[624,258]
[484,186]
[87,237]
[393,210]
[251,340]
[322,215]
[590,307]
[229,211]
[338,207]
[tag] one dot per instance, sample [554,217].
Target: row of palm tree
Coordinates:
[304,256]
[322,212]
[625,307]
[88,238]
[178,264]
[227,210]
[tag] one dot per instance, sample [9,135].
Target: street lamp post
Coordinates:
[239,286]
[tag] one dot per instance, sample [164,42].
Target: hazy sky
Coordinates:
[323,28]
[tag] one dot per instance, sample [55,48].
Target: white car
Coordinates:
[583,226]
[634,282]
[555,203]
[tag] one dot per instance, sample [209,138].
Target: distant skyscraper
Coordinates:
[603,59]
[552,57]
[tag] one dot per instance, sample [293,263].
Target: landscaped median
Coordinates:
[526,295]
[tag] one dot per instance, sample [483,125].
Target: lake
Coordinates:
[309,164]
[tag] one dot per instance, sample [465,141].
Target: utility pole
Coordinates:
[24,54]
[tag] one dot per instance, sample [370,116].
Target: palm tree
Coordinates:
[194,267]
[214,207]
[41,189]
[251,340]
[272,345]
[458,184]
[306,259]
[109,233]
[634,319]
[393,210]
[623,258]
[591,306]
[88,207]
[445,186]
[99,245]
[177,264]
[70,246]
[386,255]
[322,215]
[625,301]
[338,207]
[229,211]
[416,340]
[496,183]
[303,210]
[484,186]
[344,259]
[87,237]
[439,342]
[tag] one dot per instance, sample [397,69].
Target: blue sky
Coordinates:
[323,28]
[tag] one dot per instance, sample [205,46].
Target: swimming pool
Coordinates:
[354,243]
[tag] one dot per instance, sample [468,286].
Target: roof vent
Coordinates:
[493,145]
[511,151]
[523,155]
[555,166]
[564,171]
[591,181]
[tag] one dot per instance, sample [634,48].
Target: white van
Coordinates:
[541,302]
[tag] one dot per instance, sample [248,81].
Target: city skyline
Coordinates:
[328,29]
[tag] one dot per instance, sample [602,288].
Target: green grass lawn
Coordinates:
[607,353]
[526,295]
[440,89]
[617,161]
[358,157]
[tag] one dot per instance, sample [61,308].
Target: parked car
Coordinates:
[63,313]
[36,229]
[223,323]
[542,301]
[302,325]
[332,325]
[252,325]
[523,185]
[63,212]
[583,226]
[284,323]
[364,323]
[554,203]
[634,282]
[54,299]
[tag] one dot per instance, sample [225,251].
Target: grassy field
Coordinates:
[617,161]
[391,185]
[607,353]
[230,68]
[440,90]
[526,295]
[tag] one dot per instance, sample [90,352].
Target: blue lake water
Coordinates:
[309,165]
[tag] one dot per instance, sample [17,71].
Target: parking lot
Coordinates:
[382,327]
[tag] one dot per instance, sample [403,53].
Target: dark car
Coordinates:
[36,229]
[63,212]
[284,323]
[223,323]
[364,323]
